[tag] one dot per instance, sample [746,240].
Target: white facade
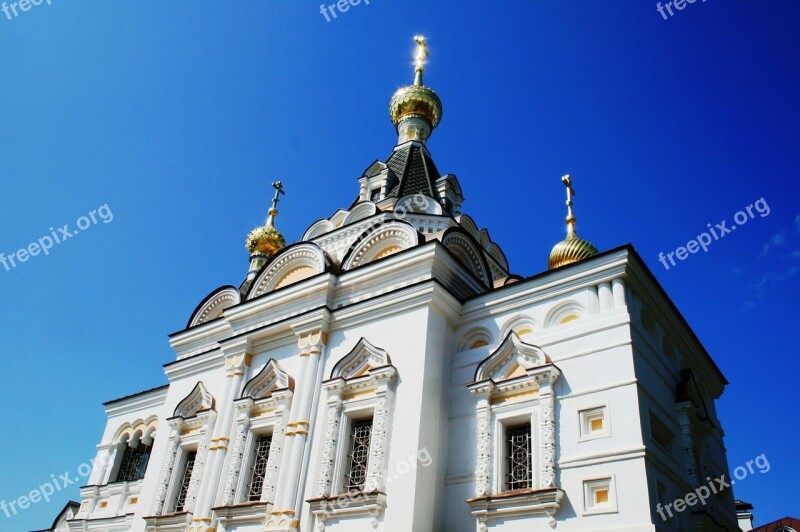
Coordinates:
[398,318]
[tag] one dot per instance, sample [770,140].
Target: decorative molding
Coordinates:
[363,210]
[379,443]
[512,351]
[207,419]
[353,504]
[304,254]
[198,400]
[312,342]
[237,456]
[461,244]
[563,310]
[332,418]
[168,465]
[363,355]
[271,378]
[236,364]
[373,241]
[276,450]
[365,369]
[214,305]
[547,435]
[483,468]
[522,374]
[474,335]
[521,503]
[145,427]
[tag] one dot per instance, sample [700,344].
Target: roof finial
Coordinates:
[570,215]
[264,242]
[571,249]
[273,211]
[419,59]
[415,110]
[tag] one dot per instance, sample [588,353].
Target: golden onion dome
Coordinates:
[416,101]
[573,248]
[264,242]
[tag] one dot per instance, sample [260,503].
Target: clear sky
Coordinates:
[177,115]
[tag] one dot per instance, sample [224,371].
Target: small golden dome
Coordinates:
[264,242]
[416,101]
[571,249]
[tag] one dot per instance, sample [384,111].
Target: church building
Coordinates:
[388,372]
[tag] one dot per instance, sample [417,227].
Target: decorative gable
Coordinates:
[363,357]
[269,380]
[198,400]
[512,359]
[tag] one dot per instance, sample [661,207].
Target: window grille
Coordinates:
[127,465]
[180,501]
[520,470]
[134,463]
[259,468]
[360,435]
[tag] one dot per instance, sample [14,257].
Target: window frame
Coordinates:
[177,478]
[509,451]
[347,461]
[515,381]
[249,466]
[353,410]
[585,414]
[591,485]
[506,417]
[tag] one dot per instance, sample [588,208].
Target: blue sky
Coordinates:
[178,115]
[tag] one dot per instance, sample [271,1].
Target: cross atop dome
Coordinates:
[264,242]
[416,110]
[571,249]
[419,59]
[273,211]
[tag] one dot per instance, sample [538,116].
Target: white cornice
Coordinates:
[552,285]
[196,364]
[138,402]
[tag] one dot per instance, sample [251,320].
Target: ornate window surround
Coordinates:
[263,409]
[191,429]
[514,385]
[129,433]
[362,384]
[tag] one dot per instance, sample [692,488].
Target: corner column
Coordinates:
[237,361]
[312,339]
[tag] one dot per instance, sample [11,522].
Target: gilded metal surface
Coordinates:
[416,100]
[266,241]
[571,249]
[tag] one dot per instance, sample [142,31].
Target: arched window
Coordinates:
[134,460]
[135,444]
